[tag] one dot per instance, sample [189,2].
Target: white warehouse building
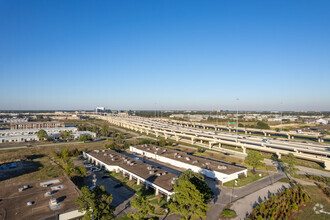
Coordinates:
[217,170]
[24,135]
[150,176]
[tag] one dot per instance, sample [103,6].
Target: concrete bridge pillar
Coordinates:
[165,136]
[192,140]
[130,177]
[327,165]
[278,155]
[168,198]
[176,138]
[157,192]
[229,129]
[219,145]
[157,134]
[210,145]
[296,150]
[265,134]
[289,137]
[138,182]
[245,131]
[244,149]
[201,141]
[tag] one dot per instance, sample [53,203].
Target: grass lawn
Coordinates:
[244,181]
[307,212]
[284,180]
[227,213]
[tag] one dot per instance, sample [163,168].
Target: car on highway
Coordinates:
[265,140]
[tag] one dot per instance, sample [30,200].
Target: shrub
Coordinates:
[228,213]
[294,207]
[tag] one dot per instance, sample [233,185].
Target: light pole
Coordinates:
[237,119]
[281,116]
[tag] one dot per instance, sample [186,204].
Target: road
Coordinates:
[312,148]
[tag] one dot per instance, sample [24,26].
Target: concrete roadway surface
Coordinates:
[276,143]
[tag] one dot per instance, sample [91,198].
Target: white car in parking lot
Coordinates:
[95,169]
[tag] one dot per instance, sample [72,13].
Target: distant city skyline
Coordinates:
[165,55]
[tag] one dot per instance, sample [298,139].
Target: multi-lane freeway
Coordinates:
[319,152]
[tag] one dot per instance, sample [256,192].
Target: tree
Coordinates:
[42,134]
[66,135]
[104,131]
[262,125]
[188,200]
[253,159]
[291,160]
[96,203]
[85,138]
[198,180]
[143,205]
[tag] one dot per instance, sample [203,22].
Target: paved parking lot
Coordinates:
[119,195]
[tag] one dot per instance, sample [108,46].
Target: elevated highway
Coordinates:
[314,152]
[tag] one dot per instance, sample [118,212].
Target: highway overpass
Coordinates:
[314,152]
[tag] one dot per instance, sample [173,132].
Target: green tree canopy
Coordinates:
[143,205]
[291,161]
[42,134]
[190,200]
[96,203]
[66,135]
[85,138]
[262,125]
[253,159]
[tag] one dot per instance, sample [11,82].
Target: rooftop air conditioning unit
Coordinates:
[195,161]
[207,163]
[151,172]
[222,167]
[173,180]
[188,158]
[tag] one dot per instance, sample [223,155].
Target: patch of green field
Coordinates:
[244,181]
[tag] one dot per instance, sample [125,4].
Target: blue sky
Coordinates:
[165,54]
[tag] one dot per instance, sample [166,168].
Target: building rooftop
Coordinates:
[146,171]
[184,157]
[14,204]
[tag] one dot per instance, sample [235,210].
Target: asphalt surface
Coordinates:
[119,195]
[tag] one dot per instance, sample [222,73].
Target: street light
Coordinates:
[237,119]
[281,116]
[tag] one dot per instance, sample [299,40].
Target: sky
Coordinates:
[165,54]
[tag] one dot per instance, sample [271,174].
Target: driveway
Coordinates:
[244,206]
